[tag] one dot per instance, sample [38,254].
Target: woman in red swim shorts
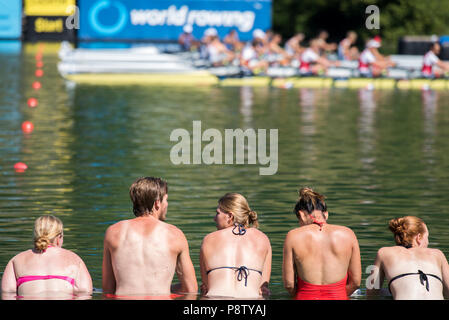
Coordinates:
[321,261]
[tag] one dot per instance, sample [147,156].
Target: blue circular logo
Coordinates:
[95,11]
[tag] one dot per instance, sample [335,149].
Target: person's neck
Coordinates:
[151,215]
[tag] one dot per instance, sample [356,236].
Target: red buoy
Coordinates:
[38,56]
[39,64]
[39,73]
[20,167]
[27,127]
[32,102]
[36,85]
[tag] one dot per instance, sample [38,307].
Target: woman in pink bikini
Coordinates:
[47,270]
[321,261]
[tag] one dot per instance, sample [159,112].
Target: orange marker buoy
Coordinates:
[27,127]
[38,56]
[36,85]
[32,102]
[39,73]
[39,64]
[20,167]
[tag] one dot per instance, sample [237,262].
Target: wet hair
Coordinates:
[405,229]
[237,204]
[144,192]
[46,229]
[309,201]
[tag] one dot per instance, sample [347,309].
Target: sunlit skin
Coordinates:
[320,257]
[396,260]
[223,248]
[142,254]
[55,261]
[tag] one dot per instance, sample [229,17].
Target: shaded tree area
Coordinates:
[398,18]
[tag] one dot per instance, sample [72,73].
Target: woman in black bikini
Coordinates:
[414,271]
[235,260]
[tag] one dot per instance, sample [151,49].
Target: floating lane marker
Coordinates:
[20,167]
[36,85]
[32,102]
[27,127]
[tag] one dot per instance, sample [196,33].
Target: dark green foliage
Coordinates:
[397,18]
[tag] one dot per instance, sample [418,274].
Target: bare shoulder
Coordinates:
[387,251]
[174,230]
[260,236]
[210,237]
[437,253]
[343,230]
[71,255]
[116,227]
[21,255]
[292,236]
[174,235]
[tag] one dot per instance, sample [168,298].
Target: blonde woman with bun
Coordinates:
[321,261]
[414,271]
[47,269]
[235,260]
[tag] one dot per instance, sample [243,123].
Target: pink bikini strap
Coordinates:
[32,278]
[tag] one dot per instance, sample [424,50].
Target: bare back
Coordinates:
[143,254]
[398,260]
[54,262]
[221,249]
[322,257]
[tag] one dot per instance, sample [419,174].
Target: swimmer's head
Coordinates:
[309,203]
[406,229]
[46,229]
[144,192]
[236,205]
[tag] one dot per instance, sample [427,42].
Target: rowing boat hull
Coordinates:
[204,78]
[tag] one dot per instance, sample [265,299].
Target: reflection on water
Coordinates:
[375,155]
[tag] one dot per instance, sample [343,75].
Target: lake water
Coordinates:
[376,155]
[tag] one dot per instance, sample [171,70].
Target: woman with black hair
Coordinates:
[321,261]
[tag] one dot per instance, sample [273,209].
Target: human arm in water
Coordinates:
[9,283]
[444,273]
[204,281]
[355,268]
[266,273]
[184,268]
[288,266]
[377,276]
[83,279]
[108,278]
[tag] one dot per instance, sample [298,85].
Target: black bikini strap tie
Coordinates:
[422,278]
[243,273]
